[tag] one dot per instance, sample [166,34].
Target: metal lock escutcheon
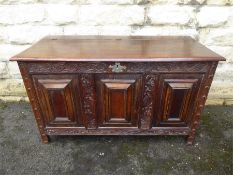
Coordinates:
[117,67]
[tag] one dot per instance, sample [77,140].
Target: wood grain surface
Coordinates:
[121,48]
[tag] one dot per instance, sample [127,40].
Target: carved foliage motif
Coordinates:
[156,67]
[105,67]
[147,101]
[89,100]
[68,67]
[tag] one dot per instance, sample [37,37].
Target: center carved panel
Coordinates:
[117,99]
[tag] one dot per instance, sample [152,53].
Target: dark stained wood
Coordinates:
[91,85]
[106,48]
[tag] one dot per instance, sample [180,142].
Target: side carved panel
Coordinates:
[87,84]
[202,96]
[147,101]
[28,83]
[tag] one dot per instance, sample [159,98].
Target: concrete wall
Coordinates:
[24,22]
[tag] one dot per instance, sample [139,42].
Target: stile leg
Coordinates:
[190,140]
[45,138]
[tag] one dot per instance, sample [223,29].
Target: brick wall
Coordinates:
[24,22]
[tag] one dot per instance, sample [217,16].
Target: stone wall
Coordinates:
[24,22]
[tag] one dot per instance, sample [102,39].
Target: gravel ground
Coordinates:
[22,153]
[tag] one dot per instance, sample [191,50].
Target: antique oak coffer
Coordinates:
[102,85]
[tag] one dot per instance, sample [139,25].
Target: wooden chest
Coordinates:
[99,85]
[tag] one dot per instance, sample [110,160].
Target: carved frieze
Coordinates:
[105,67]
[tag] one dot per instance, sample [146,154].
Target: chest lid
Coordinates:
[118,48]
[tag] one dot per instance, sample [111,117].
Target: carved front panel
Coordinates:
[118,98]
[57,99]
[178,94]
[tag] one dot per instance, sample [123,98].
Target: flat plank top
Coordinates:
[117,48]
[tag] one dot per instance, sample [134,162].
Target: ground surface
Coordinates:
[21,151]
